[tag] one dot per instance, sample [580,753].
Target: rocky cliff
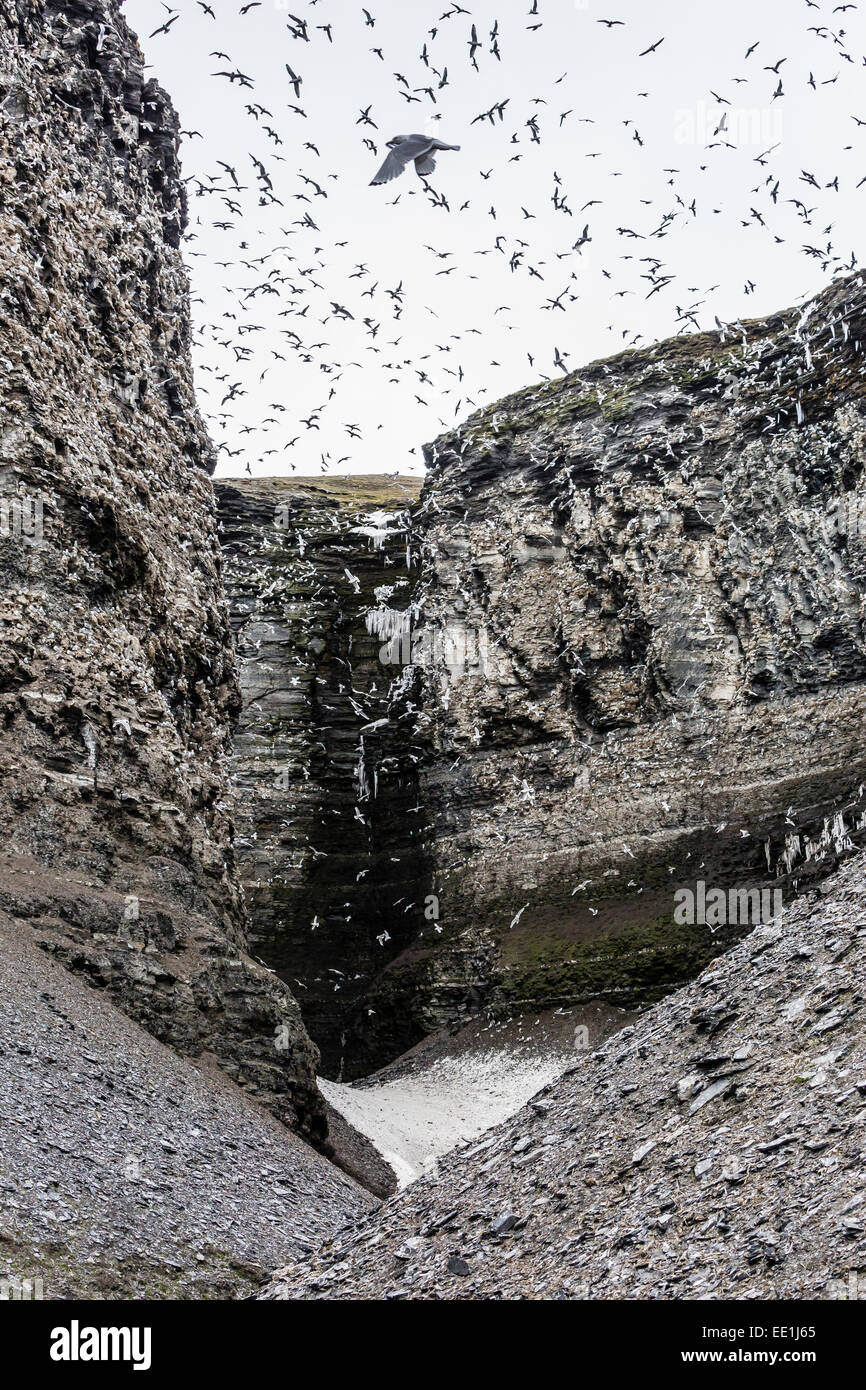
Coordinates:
[654,569]
[488,737]
[117,685]
[331,834]
[629,659]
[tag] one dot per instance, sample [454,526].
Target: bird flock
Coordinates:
[601,193]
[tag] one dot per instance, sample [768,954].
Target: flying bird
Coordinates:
[164,28]
[420,148]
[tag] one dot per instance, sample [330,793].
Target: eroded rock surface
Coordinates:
[330,828]
[117,684]
[656,567]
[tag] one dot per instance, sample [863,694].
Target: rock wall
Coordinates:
[657,569]
[331,833]
[117,685]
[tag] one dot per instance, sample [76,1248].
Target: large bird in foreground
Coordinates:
[420,148]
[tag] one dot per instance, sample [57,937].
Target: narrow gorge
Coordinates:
[324,777]
[654,567]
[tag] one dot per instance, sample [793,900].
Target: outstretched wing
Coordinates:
[393,166]
[425,164]
[413,147]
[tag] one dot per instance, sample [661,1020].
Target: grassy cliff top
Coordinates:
[369,490]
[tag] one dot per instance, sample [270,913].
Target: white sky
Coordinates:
[400,388]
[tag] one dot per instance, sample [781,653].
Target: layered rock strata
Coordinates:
[331,833]
[655,572]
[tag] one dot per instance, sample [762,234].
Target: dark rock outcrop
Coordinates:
[331,834]
[117,684]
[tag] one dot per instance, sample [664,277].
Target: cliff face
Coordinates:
[660,562]
[632,659]
[117,687]
[331,833]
